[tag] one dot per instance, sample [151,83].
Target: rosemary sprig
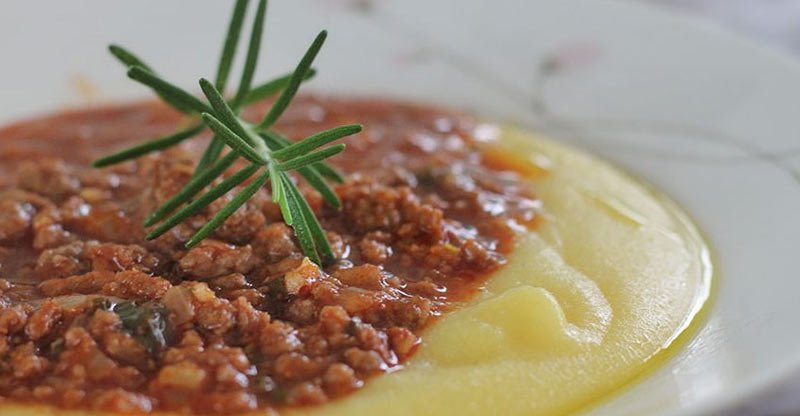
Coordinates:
[269,154]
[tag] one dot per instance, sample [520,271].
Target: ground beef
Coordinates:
[130,284]
[212,258]
[16,218]
[94,316]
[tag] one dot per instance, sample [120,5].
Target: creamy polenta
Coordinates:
[611,277]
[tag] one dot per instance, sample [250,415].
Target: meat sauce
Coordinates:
[94,316]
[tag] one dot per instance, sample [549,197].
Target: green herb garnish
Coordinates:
[146,322]
[269,154]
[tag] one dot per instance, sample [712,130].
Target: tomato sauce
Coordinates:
[94,316]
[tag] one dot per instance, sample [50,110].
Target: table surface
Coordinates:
[776,24]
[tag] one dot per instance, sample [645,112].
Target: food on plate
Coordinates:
[425,262]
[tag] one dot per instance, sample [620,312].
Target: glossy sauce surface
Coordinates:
[95,317]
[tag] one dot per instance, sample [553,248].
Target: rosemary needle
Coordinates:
[163,87]
[231,41]
[252,55]
[147,147]
[294,82]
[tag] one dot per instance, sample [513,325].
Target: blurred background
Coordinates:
[774,22]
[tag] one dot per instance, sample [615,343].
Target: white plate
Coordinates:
[708,118]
